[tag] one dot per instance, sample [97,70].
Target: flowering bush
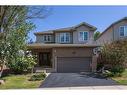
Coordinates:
[23,64]
[115,56]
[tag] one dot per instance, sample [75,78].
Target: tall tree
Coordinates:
[9,15]
[14,27]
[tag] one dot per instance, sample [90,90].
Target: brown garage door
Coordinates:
[73,64]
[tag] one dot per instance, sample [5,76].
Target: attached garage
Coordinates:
[69,58]
[73,64]
[73,59]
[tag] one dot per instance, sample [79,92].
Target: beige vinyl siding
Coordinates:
[116,30]
[40,38]
[81,29]
[107,37]
[74,35]
[73,52]
[111,34]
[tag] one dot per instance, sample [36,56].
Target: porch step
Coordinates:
[45,70]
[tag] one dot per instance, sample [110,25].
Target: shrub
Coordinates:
[22,65]
[108,73]
[38,77]
[115,56]
[117,70]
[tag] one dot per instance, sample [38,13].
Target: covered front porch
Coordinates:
[44,60]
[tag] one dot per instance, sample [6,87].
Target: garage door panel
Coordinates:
[73,64]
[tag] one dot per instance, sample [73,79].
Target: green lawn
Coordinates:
[123,79]
[19,82]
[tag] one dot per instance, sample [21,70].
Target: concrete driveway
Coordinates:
[57,80]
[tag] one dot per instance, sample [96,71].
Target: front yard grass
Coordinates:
[122,79]
[19,82]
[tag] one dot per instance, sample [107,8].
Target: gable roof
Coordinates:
[86,24]
[124,18]
[66,29]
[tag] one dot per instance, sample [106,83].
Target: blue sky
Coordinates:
[65,16]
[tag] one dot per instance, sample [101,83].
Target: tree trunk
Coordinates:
[1,71]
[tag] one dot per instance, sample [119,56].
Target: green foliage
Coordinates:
[114,72]
[37,77]
[22,64]
[14,28]
[117,70]
[115,55]
[108,73]
[122,79]
[96,35]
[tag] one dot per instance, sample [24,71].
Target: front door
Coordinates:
[45,59]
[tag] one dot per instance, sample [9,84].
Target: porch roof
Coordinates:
[42,46]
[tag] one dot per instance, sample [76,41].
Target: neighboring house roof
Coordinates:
[66,29]
[125,18]
[41,45]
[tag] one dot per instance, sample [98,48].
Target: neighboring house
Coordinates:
[66,50]
[116,31]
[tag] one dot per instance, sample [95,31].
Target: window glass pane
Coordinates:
[121,31]
[44,38]
[125,32]
[62,37]
[49,38]
[45,57]
[80,36]
[67,37]
[85,35]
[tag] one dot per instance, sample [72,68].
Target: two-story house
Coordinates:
[67,49]
[116,31]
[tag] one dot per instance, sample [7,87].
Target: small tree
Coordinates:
[96,35]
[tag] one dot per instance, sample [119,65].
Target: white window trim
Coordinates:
[61,34]
[47,38]
[124,31]
[79,36]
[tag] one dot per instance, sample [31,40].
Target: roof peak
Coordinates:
[67,28]
[119,20]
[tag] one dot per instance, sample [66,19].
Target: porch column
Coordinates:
[94,63]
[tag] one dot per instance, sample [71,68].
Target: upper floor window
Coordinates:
[123,31]
[47,38]
[83,36]
[64,37]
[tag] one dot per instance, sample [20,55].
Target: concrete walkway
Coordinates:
[120,87]
[78,81]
